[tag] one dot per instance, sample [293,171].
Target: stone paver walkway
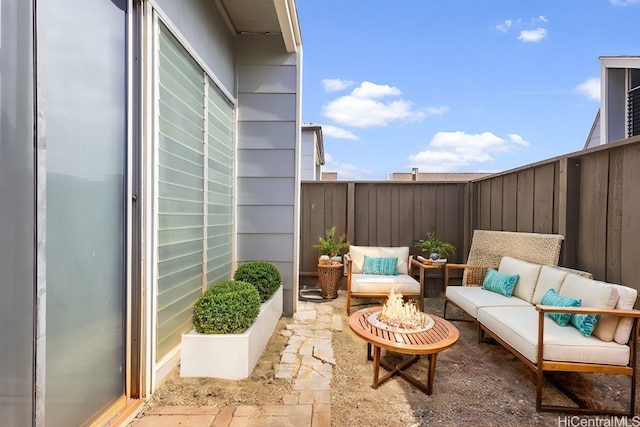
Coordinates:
[307,359]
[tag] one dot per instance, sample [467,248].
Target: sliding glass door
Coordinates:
[83,50]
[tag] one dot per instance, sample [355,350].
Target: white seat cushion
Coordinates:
[374,283]
[471,298]
[528,272]
[518,327]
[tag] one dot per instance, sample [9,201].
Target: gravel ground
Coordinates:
[476,383]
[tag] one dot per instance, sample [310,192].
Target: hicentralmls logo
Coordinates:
[576,421]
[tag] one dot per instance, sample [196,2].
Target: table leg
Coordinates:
[376,366]
[431,373]
[369,357]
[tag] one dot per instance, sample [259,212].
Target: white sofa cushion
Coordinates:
[518,327]
[626,301]
[374,283]
[401,252]
[528,272]
[592,293]
[471,298]
[550,278]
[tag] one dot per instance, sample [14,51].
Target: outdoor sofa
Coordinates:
[515,306]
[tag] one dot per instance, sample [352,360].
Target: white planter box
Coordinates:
[230,356]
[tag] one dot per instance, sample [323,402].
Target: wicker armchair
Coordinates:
[488,248]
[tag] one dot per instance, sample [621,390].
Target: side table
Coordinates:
[329,278]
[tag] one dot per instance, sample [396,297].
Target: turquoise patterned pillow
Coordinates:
[552,298]
[501,283]
[585,322]
[380,265]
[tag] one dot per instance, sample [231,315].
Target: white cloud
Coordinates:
[526,35]
[436,111]
[590,88]
[372,90]
[337,132]
[346,171]
[532,36]
[454,151]
[504,26]
[624,2]
[364,107]
[336,85]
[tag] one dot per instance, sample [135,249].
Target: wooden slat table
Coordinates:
[440,337]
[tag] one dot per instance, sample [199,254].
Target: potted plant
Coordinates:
[330,262]
[434,247]
[233,322]
[330,246]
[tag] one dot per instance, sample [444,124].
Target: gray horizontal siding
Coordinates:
[267,247]
[267,163]
[268,79]
[267,107]
[265,219]
[265,135]
[259,191]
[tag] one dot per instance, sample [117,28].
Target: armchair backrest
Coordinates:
[488,247]
[357,254]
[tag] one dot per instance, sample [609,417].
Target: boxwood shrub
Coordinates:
[226,308]
[263,275]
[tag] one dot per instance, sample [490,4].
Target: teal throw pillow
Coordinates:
[380,265]
[585,322]
[501,283]
[552,298]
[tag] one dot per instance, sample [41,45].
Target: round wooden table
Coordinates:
[440,337]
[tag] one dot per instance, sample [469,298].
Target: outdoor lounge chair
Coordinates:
[362,284]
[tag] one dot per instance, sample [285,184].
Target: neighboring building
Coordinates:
[329,176]
[147,147]
[311,152]
[435,176]
[619,114]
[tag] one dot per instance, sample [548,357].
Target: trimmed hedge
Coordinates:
[226,308]
[263,275]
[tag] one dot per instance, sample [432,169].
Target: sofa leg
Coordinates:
[444,310]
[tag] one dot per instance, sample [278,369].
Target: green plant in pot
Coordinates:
[330,245]
[226,308]
[263,275]
[434,247]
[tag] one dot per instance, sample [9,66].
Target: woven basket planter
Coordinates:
[329,278]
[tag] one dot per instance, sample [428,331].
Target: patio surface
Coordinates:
[307,358]
[476,384]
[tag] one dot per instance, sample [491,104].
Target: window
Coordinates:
[194,187]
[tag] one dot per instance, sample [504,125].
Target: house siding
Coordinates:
[268,137]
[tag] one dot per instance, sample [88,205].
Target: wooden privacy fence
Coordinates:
[592,197]
[383,213]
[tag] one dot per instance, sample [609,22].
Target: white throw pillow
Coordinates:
[626,301]
[550,278]
[528,272]
[593,294]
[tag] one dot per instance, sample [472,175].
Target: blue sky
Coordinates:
[456,85]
